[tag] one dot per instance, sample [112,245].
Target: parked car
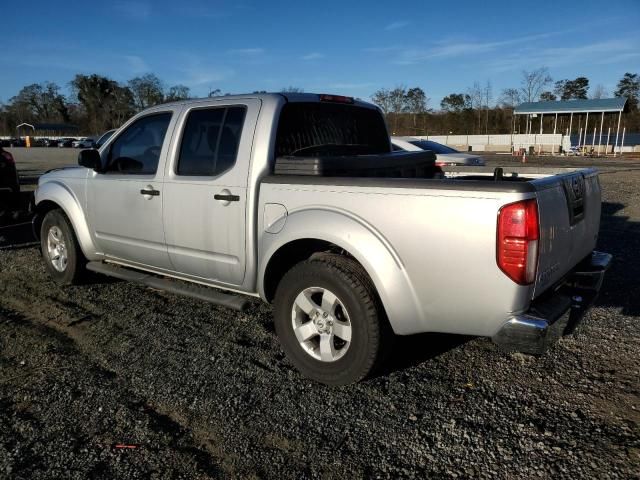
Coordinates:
[574,150]
[51,142]
[445,155]
[104,137]
[83,143]
[66,142]
[256,196]
[9,184]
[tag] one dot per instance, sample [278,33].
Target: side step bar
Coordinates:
[174,286]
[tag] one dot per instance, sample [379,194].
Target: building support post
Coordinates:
[538,140]
[600,138]
[541,117]
[617,133]
[579,138]
[553,144]
[606,150]
[586,129]
[570,125]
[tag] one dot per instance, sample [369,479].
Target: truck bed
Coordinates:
[443,232]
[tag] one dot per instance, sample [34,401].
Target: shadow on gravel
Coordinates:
[413,350]
[620,237]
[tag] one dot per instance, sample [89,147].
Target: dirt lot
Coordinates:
[202,392]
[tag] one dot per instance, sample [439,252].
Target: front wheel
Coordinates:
[329,320]
[62,255]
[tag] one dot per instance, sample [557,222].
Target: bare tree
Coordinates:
[599,92]
[533,83]
[382,99]
[147,91]
[510,98]
[487,96]
[397,100]
[476,94]
[176,93]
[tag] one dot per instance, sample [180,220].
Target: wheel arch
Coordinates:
[306,233]
[55,195]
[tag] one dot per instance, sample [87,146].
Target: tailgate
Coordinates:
[569,212]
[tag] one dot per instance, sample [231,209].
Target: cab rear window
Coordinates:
[318,129]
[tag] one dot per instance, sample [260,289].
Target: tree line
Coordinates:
[474,111]
[97,103]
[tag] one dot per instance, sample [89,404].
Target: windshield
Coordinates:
[307,128]
[433,146]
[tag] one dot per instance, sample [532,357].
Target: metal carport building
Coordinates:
[581,108]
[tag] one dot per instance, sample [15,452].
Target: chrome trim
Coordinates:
[523,333]
[601,260]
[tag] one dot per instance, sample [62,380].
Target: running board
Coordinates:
[178,287]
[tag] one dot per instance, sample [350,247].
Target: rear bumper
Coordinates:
[558,312]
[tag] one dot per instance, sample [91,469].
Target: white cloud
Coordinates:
[351,86]
[200,11]
[597,53]
[134,10]
[396,25]
[136,64]
[246,51]
[449,48]
[313,56]
[195,71]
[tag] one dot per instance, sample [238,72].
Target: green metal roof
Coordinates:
[573,106]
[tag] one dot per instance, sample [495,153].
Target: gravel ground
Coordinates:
[197,391]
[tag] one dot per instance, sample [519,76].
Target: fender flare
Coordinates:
[367,245]
[58,193]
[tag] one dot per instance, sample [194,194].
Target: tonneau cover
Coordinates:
[388,165]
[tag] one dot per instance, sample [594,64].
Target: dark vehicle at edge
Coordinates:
[9,184]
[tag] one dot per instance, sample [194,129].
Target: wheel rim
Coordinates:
[321,324]
[57,249]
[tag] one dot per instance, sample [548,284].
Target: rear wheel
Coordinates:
[329,320]
[63,258]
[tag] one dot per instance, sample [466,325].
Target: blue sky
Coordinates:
[351,48]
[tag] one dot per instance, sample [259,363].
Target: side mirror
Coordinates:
[90,159]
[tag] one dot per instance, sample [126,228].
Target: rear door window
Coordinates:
[210,141]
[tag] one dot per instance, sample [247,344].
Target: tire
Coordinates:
[56,231]
[320,349]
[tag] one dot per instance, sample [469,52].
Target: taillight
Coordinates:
[8,157]
[517,245]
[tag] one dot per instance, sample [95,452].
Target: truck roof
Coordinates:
[271,96]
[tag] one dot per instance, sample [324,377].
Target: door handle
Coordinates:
[227,197]
[150,191]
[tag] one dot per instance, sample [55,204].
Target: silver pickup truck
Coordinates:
[271,196]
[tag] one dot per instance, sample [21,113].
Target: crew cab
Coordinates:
[299,200]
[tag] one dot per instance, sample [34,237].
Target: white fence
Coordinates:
[548,140]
